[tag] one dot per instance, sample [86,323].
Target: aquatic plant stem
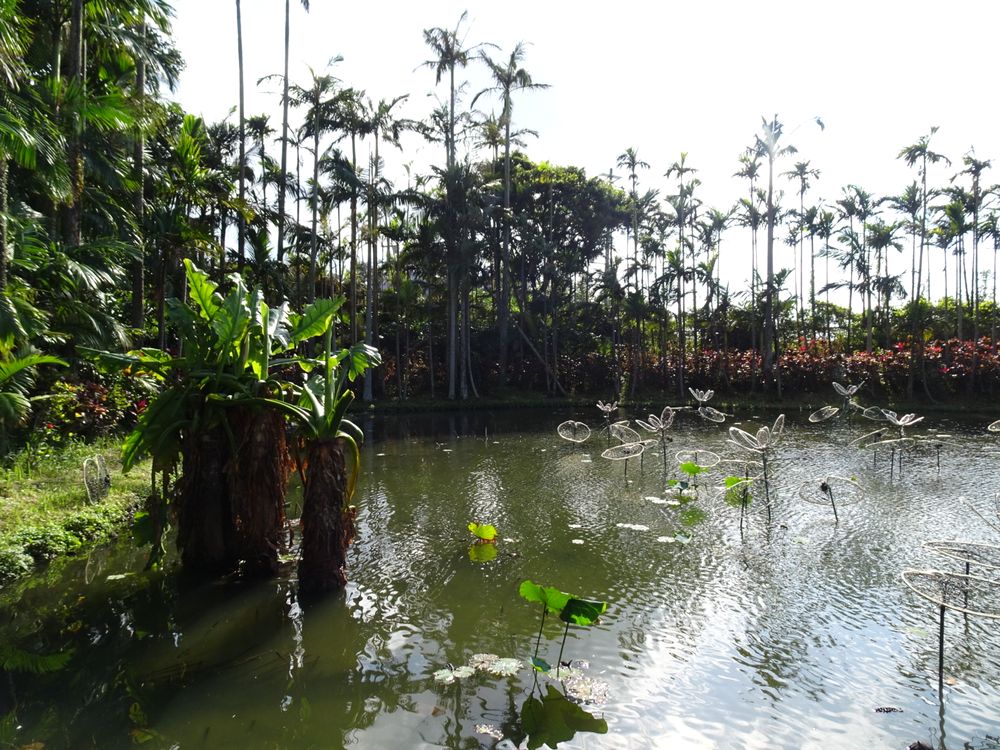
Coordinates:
[561,647]
[829,492]
[941,654]
[538,640]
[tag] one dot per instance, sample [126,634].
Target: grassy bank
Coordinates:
[44,509]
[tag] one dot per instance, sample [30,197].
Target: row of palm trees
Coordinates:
[485,258]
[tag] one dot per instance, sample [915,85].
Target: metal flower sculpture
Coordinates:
[847,392]
[658,425]
[763,444]
[707,412]
[606,411]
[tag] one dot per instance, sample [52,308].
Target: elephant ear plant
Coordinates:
[216,430]
[332,462]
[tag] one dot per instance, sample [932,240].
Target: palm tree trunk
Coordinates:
[284,146]
[327,520]
[3,225]
[241,220]
[138,270]
[73,234]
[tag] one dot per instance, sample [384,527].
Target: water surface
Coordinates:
[789,634]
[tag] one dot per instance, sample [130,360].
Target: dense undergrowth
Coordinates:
[44,508]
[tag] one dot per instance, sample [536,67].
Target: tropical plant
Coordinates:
[327,515]
[219,419]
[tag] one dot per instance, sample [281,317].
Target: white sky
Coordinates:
[662,77]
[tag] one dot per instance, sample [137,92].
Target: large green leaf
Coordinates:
[11,367]
[553,599]
[314,320]
[485,531]
[202,291]
[582,611]
[230,324]
[13,407]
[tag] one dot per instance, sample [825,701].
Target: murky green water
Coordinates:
[789,635]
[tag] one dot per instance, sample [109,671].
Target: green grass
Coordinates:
[44,509]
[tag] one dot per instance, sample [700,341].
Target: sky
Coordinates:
[660,77]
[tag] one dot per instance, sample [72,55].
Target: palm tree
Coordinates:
[767,145]
[321,103]
[750,216]
[803,173]
[920,153]
[241,209]
[284,138]
[384,127]
[824,228]
[881,238]
[975,168]
[508,77]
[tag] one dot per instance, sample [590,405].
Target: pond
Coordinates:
[796,631]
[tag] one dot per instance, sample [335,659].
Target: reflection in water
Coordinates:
[786,633]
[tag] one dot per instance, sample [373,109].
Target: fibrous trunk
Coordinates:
[327,520]
[257,475]
[204,517]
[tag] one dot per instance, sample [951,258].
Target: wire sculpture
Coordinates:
[574,432]
[831,491]
[96,479]
[968,594]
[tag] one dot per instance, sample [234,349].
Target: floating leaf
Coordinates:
[585,689]
[582,611]
[490,731]
[505,667]
[994,426]
[482,662]
[633,526]
[484,531]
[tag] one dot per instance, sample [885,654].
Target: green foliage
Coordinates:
[692,469]
[483,531]
[582,611]
[17,660]
[552,598]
